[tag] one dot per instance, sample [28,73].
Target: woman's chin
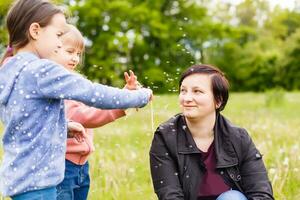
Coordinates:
[189,115]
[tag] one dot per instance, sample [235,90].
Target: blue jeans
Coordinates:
[43,194]
[76,183]
[232,195]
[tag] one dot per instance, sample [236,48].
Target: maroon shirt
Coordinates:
[212,184]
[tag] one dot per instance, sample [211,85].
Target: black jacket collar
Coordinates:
[225,153]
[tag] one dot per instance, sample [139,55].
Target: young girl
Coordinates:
[76,182]
[32,90]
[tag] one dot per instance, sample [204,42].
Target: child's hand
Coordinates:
[76,130]
[151,94]
[131,81]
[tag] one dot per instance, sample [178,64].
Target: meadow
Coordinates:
[120,165]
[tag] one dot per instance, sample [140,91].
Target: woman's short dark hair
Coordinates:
[219,83]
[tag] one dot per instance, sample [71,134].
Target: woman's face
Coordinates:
[196,98]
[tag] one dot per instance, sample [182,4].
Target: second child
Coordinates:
[76,182]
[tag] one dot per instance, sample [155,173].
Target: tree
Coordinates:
[4,5]
[157,39]
[289,73]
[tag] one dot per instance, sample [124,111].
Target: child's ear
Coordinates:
[34,30]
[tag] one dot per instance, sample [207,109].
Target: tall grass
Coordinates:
[120,169]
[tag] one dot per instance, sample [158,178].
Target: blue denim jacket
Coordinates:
[32,111]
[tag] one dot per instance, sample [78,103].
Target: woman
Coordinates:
[199,154]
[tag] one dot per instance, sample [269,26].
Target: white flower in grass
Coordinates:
[286,161]
[131,170]
[272,171]
[133,155]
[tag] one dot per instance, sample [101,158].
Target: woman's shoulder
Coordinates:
[234,132]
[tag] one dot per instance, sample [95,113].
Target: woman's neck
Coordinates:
[203,127]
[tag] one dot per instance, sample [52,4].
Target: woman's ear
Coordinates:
[218,105]
[34,30]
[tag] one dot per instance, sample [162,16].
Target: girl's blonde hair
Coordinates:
[74,37]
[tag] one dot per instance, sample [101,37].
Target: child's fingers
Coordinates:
[75,126]
[78,128]
[126,76]
[79,136]
[131,73]
[78,139]
[151,94]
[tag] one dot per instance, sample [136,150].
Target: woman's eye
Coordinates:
[198,91]
[182,90]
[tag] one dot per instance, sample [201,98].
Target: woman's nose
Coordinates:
[188,97]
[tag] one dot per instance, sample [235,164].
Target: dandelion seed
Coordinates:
[286,161]
[131,170]
[272,171]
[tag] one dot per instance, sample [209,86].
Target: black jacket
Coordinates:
[177,169]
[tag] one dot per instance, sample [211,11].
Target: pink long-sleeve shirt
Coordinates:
[90,118]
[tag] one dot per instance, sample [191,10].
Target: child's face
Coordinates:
[48,39]
[68,56]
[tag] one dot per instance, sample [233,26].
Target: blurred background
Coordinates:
[255,42]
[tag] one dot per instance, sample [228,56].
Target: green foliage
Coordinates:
[289,70]
[156,40]
[256,47]
[4,5]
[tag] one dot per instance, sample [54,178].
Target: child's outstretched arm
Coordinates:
[91,117]
[56,82]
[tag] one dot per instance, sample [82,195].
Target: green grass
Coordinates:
[119,167]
